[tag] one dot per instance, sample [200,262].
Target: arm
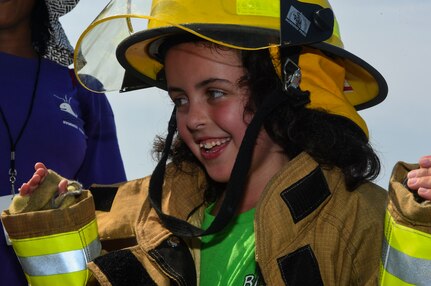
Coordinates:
[103,163]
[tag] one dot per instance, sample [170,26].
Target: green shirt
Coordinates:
[227,258]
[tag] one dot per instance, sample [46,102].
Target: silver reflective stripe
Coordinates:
[60,263]
[409,269]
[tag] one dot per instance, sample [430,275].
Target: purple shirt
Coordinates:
[71,130]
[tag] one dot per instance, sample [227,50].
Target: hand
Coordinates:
[420,179]
[39,175]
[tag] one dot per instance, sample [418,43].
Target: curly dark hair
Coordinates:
[332,140]
[40,27]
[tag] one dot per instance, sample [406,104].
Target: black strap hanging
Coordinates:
[13,143]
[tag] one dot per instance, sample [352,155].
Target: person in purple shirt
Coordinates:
[45,114]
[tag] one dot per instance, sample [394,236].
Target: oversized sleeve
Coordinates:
[406,254]
[54,246]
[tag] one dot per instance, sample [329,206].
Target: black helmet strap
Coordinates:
[291,76]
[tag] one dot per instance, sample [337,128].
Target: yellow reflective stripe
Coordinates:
[56,243]
[387,279]
[73,279]
[406,268]
[61,258]
[409,241]
[403,259]
[64,262]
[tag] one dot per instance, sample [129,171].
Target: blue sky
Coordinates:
[391,35]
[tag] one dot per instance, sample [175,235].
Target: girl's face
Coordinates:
[203,82]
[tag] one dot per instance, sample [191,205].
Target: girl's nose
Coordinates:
[196,116]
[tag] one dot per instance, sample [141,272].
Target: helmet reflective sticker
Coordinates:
[304,23]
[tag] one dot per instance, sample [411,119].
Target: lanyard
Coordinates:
[14,143]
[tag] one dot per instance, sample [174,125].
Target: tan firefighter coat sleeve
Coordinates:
[406,253]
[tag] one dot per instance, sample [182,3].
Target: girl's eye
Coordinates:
[179,101]
[215,93]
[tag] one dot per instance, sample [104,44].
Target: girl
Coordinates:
[269,179]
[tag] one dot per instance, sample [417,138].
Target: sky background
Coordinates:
[391,35]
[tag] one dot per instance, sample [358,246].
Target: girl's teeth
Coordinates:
[210,145]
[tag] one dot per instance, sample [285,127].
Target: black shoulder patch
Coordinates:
[103,197]
[306,195]
[122,268]
[300,268]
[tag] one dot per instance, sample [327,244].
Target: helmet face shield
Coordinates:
[118,51]
[240,24]
[95,59]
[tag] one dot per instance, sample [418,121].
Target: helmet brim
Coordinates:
[138,55]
